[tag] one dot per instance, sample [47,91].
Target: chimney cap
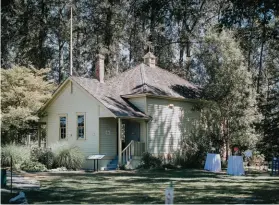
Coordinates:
[149,55]
[150,59]
[99,55]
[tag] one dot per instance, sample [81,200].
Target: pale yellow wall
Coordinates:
[108,136]
[167,124]
[103,112]
[164,130]
[79,101]
[142,131]
[139,102]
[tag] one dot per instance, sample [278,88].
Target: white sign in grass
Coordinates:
[169,195]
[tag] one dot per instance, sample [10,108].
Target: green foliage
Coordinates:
[122,167]
[269,144]
[231,112]
[33,166]
[43,155]
[175,29]
[23,92]
[257,159]
[149,161]
[224,164]
[193,148]
[168,166]
[69,157]
[18,153]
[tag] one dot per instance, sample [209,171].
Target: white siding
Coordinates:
[43,119]
[104,112]
[67,103]
[142,131]
[139,102]
[167,124]
[108,136]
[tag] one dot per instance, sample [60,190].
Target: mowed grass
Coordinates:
[140,187]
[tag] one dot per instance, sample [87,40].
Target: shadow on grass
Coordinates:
[191,186]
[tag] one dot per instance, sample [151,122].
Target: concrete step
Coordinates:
[109,169]
[112,165]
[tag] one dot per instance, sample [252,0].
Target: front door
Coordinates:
[132,132]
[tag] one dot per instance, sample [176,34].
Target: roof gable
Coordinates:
[61,89]
[106,95]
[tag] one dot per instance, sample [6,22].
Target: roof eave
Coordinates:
[175,98]
[160,96]
[135,95]
[133,117]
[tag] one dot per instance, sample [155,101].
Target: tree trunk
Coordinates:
[225,136]
[181,54]
[61,61]
[42,36]
[260,74]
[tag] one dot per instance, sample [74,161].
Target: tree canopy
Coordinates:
[228,46]
[23,92]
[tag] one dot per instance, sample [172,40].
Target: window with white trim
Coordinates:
[80,126]
[62,127]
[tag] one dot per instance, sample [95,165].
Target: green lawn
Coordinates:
[190,186]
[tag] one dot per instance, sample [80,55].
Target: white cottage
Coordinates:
[144,109]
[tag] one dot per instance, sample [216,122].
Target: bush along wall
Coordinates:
[37,159]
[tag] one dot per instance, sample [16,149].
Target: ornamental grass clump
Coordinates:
[69,157]
[19,154]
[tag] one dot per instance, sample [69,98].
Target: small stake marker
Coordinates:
[169,194]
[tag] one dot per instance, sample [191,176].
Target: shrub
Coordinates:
[257,159]
[33,166]
[224,164]
[69,157]
[149,161]
[43,155]
[18,153]
[169,166]
[194,145]
[188,159]
[47,158]
[35,153]
[122,167]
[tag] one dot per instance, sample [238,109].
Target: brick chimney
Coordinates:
[100,68]
[150,59]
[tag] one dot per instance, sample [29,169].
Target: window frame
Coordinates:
[59,126]
[84,125]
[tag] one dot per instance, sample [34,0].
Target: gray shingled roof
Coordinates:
[140,80]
